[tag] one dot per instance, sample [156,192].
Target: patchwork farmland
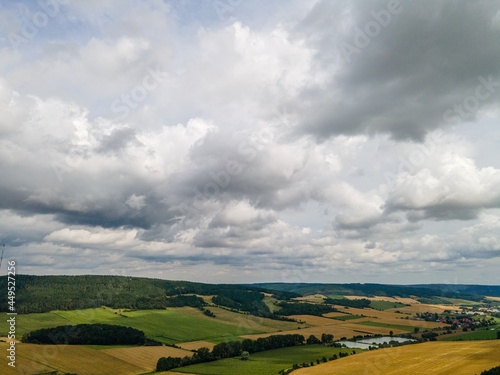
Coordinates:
[214,319]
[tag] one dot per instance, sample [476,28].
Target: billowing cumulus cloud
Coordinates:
[298,141]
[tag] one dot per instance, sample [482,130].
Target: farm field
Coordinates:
[313,298]
[437,358]
[190,329]
[385,305]
[246,320]
[402,300]
[359,322]
[194,345]
[458,301]
[422,307]
[338,329]
[35,359]
[389,317]
[489,333]
[168,326]
[346,317]
[386,325]
[263,363]
[146,356]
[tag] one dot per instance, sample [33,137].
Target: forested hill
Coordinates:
[46,293]
[470,292]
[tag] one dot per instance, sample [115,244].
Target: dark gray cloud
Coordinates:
[421,61]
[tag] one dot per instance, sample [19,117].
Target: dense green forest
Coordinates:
[357,303]
[303,309]
[468,292]
[46,293]
[89,334]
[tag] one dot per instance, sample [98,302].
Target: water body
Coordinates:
[386,339]
[374,341]
[355,345]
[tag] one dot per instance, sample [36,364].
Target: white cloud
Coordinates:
[256,141]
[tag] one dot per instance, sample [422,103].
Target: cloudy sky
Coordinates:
[250,141]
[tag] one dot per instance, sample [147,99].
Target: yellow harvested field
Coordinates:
[421,308]
[245,320]
[316,320]
[195,345]
[335,314]
[413,323]
[314,298]
[207,299]
[34,359]
[405,301]
[387,314]
[338,329]
[390,317]
[494,298]
[146,356]
[436,358]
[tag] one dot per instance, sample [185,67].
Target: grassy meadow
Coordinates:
[264,363]
[168,326]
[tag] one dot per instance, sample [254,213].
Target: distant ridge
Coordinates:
[46,293]
[462,291]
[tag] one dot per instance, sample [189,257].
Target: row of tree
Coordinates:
[241,348]
[356,303]
[294,308]
[89,334]
[231,349]
[492,371]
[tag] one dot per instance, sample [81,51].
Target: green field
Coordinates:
[346,317]
[265,363]
[478,334]
[463,302]
[434,301]
[168,326]
[393,326]
[269,301]
[385,305]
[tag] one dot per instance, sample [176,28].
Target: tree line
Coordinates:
[231,349]
[89,334]
[356,303]
[303,308]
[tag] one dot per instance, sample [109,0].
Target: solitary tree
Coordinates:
[245,356]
